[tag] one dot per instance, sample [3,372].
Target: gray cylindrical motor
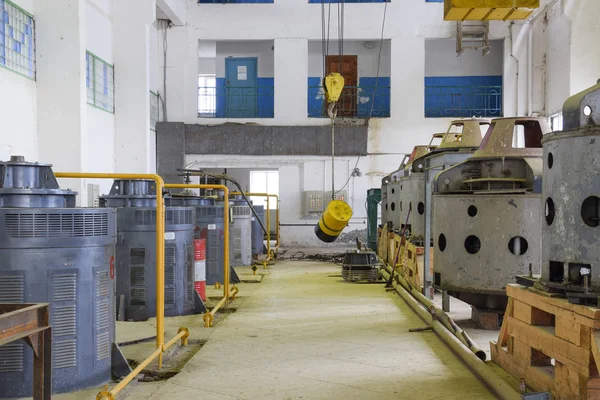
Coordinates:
[210,225]
[136,251]
[257,232]
[240,245]
[571,196]
[486,214]
[51,252]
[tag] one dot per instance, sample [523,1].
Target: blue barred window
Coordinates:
[17,44]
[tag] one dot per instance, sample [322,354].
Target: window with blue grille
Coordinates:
[235,1]
[17,44]
[99,81]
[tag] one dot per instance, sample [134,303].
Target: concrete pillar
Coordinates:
[131,28]
[585,25]
[291,80]
[61,90]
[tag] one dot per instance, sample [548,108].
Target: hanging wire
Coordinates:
[364,143]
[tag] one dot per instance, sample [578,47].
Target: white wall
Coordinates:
[297,174]
[441,59]
[99,123]
[263,50]
[18,110]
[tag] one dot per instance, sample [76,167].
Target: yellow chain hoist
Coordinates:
[337,214]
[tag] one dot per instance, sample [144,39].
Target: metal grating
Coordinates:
[137,275]
[209,211]
[64,353]
[145,217]
[12,288]
[102,346]
[20,226]
[11,357]
[241,210]
[64,320]
[64,287]
[102,283]
[188,274]
[179,217]
[103,315]
[170,261]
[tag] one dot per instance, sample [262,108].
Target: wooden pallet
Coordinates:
[550,343]
[382,244]
[414,265]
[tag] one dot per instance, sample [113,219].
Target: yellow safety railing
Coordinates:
[268,218]
[227,293]
[160,276]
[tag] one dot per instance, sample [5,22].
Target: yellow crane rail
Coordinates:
[486,10]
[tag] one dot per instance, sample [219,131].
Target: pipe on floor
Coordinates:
[501,388]
[209,316]
[440,316]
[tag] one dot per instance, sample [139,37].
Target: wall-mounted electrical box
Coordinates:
[93,195]
[341,195]
[313,202]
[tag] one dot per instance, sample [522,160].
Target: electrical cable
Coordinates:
[372,99]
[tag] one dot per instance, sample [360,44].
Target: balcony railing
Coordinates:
[355,101]
[463,101]
[222,101]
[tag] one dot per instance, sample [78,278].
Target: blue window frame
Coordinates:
[235,1]
[17,39]
[434,1]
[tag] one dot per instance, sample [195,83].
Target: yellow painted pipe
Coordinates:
[160,242]
[208,317]
[119,386]
[183,334]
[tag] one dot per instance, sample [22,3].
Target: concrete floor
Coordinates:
[304,333]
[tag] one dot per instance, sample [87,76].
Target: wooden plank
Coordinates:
[547,304]
[595,346]
[568,329]
[503,336]
[523,294]
[544,340]
[567,382]
[519,368]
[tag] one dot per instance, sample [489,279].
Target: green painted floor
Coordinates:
[305,334]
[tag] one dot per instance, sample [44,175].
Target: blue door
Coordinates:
[240,86]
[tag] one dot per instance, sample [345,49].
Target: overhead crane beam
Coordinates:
[487,10]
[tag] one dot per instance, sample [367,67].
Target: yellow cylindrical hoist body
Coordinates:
[333,221]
